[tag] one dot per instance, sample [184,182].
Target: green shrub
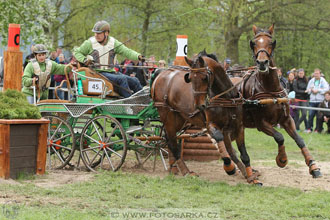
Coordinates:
[14,105]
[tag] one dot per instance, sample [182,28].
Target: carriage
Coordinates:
[98,128]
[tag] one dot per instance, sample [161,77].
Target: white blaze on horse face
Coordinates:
[261,40]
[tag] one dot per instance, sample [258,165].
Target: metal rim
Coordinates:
[60,143]
[103,147]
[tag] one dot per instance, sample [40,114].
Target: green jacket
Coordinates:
[86,48]
[57,69]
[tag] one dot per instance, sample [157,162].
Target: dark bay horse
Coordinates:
[183,96]
[264,84]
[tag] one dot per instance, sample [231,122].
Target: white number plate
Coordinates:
[95,86]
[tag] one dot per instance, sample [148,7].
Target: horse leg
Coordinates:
[174,123]
[267,128]
[289,126]
[250,175]
[233,154]
[217,135]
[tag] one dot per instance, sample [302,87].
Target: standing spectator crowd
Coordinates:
[306,91]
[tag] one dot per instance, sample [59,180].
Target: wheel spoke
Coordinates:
[112,132]
[98,133]
[62,147]
[56,130]
[58,155]
[104,128]
[119,155]
[106,153]
[91,148]
[95,141]
[95,156]
[61,138]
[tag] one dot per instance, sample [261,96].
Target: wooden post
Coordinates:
[13,60]
[4,151]
[42,149]
[181,52]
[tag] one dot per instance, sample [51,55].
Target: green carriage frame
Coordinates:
[102,129]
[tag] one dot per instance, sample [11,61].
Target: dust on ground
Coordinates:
[295,174]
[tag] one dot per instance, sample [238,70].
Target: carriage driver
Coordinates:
[102,50]
[39,70]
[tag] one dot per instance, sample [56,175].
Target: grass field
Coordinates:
[132,196]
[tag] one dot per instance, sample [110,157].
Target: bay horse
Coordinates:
[182,96]
[264,84]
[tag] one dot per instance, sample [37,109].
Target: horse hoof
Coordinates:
[191,173]
[174,170]
[258,184]
[281,163]
[231,172]
[316,173]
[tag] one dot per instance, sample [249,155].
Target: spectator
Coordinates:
[226,64]
[162,64]
[289,85]
[128,67]
[292,95]
[141,73]
[300,86]
[53,57]
[152,67]
[29,57]
[59,78]
[295,72]
[324,116]
[104,48]
[316,87]
[283,80]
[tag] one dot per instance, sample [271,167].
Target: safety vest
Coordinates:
[44,77]
[104,54]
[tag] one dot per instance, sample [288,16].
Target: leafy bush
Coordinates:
[14,105]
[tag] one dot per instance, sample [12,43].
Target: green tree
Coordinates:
[31,15]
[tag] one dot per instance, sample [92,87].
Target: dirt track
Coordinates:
[294,175]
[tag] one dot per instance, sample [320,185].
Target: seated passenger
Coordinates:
[102,50]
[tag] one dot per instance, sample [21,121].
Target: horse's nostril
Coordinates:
[258,62]
[266,61]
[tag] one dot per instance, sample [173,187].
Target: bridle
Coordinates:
[208,73]
[261,50]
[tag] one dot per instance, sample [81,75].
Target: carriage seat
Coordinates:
[93,87]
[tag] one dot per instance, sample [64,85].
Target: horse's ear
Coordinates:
[271,29]
[255,29]
[188,61]
[186,78]
[201,61]
[252,45]
[274,44]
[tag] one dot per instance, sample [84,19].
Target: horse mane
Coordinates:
[210,55]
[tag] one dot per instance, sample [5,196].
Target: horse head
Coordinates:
[263,47]
[201,76]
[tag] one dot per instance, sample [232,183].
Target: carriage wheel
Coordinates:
[60,143]
[103,144]
[156,148]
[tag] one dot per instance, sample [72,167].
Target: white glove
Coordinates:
[88,60]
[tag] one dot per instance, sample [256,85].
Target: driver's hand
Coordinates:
[88,60]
